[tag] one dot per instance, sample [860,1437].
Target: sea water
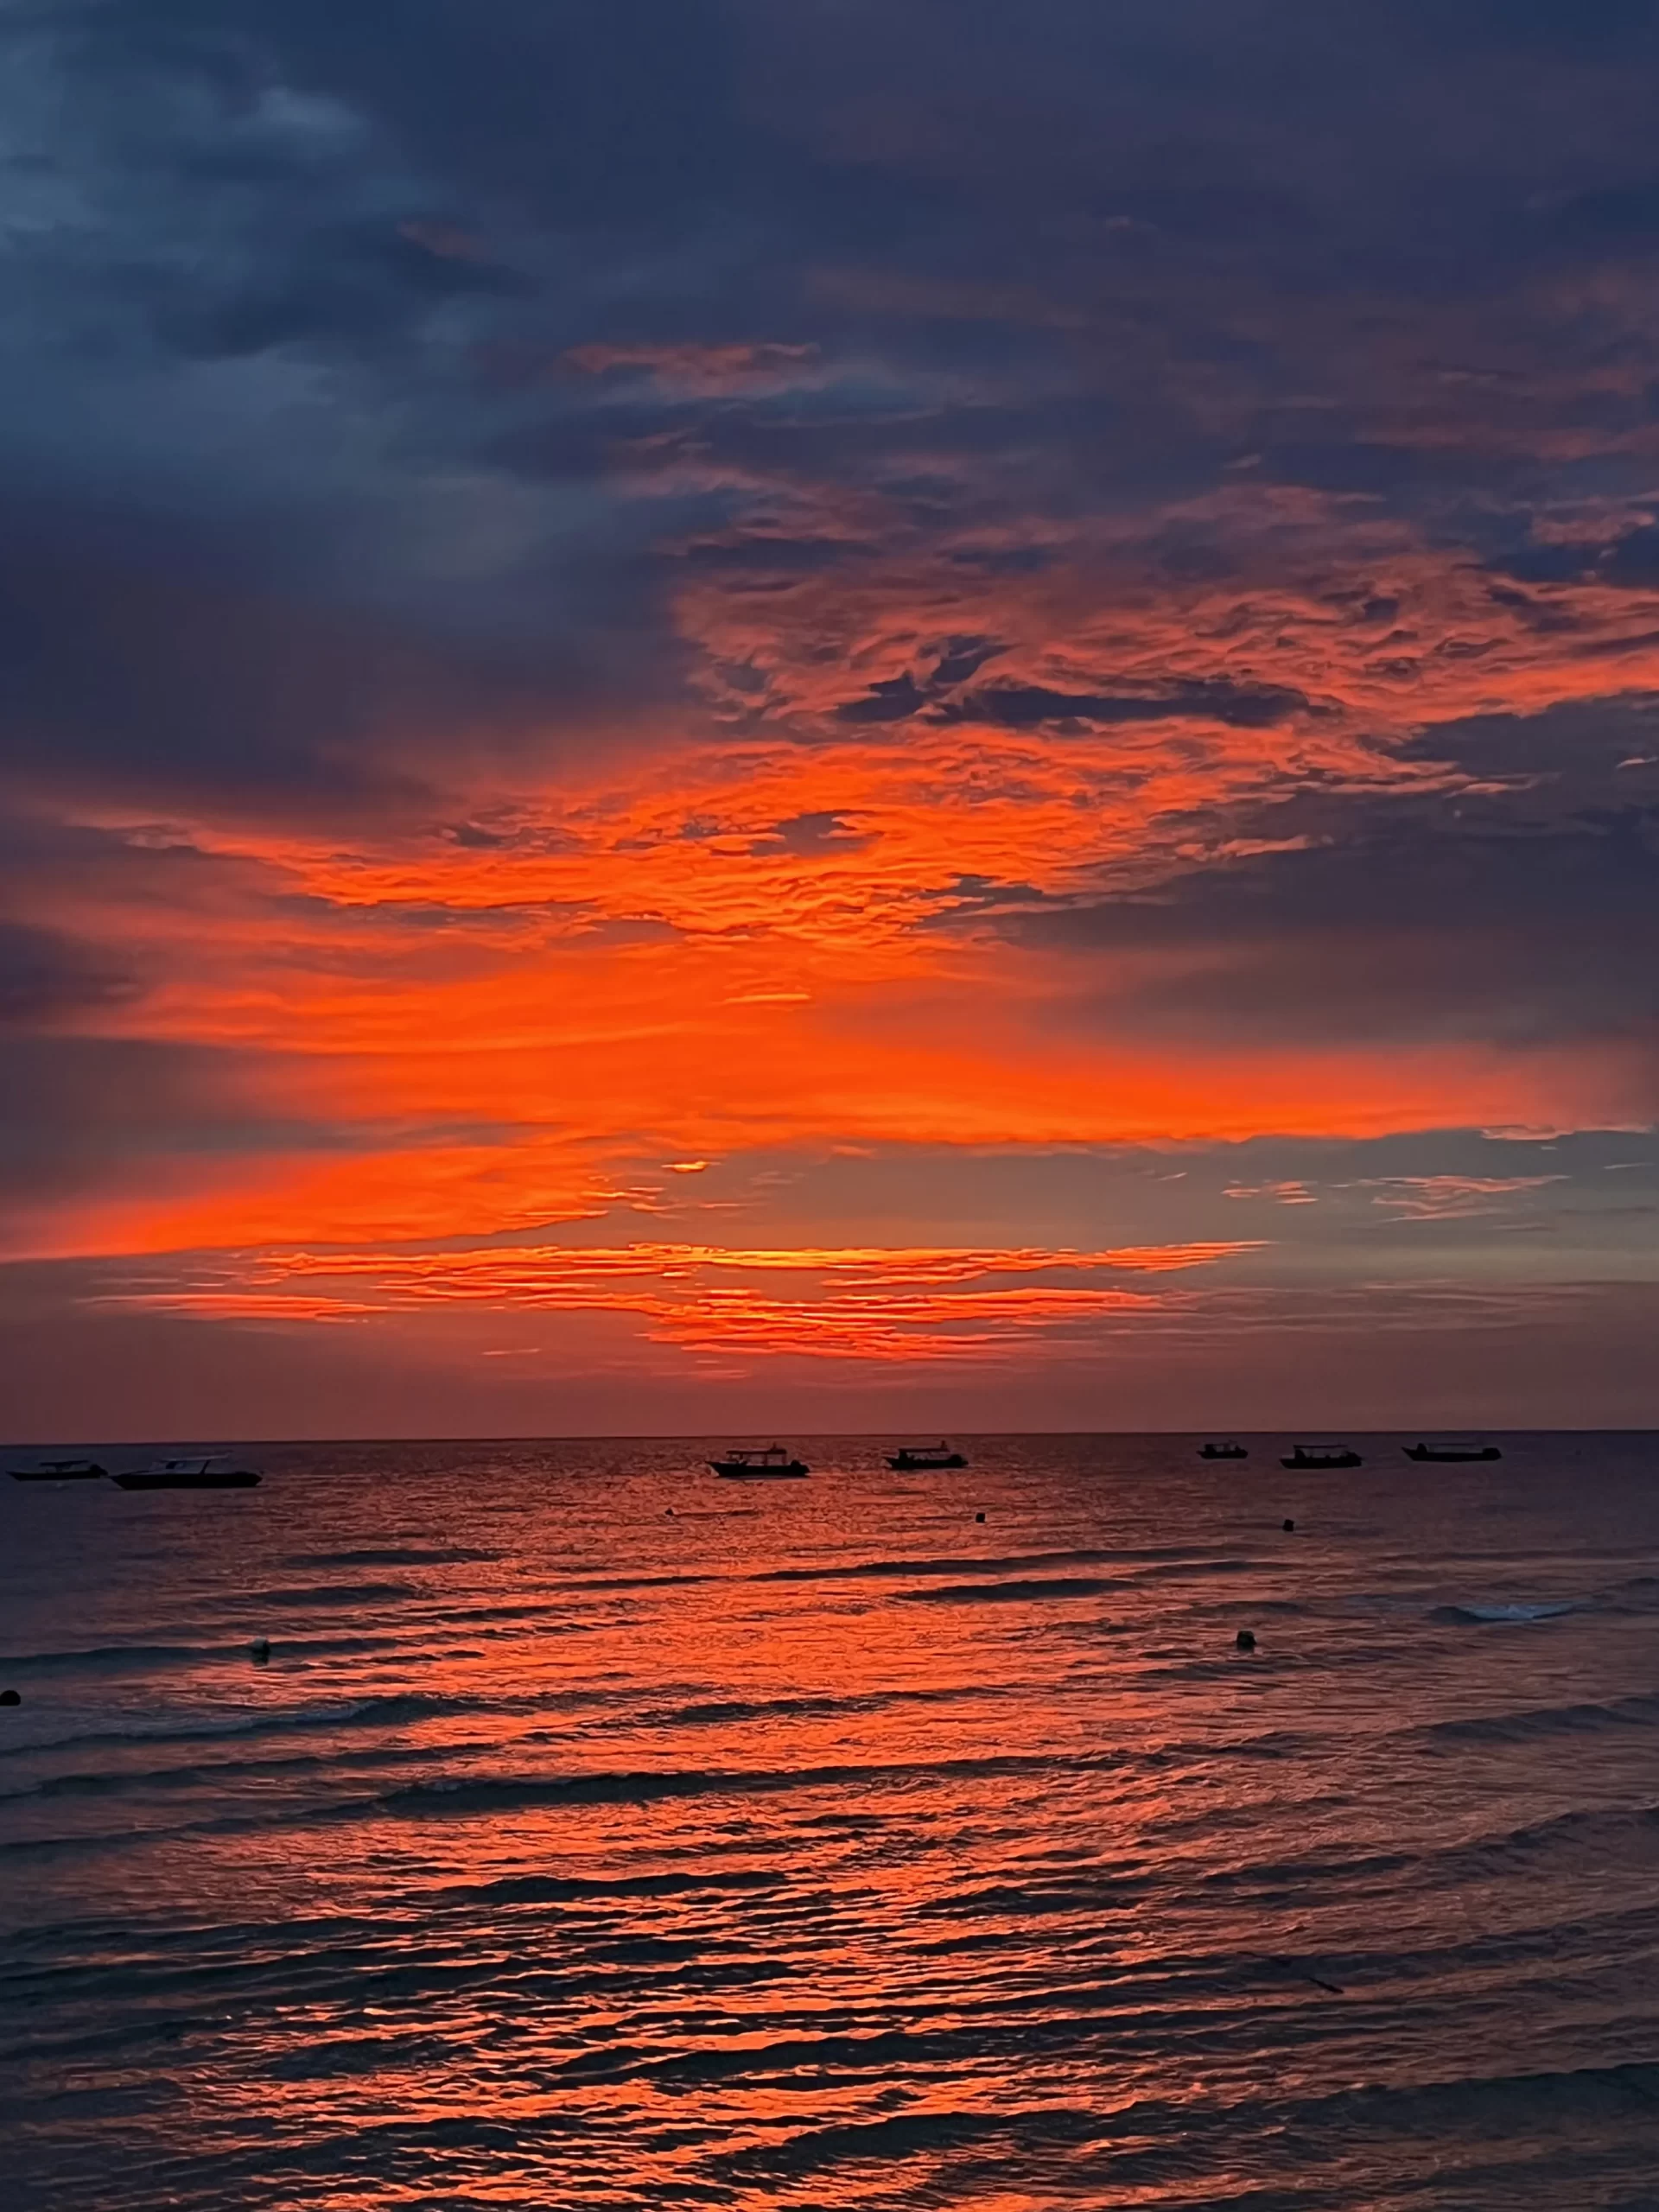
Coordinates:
[597,1833]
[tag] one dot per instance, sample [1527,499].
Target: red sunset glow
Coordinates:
[1125,703]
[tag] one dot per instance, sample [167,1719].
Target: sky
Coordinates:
[718,717]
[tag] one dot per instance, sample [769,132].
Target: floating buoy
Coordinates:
[1289,1525]
[669,1510]
[9,1697]
[979,1516]
[1245,1639]
[259,1650]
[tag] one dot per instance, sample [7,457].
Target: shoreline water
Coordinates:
[827,1845]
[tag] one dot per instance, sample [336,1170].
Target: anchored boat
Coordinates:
[1227,1451]
[58,1471]
[1451,1454]
[911,1459]
[774,1465]
[209,1471]
[1322,1455]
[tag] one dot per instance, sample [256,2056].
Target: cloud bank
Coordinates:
[688,581]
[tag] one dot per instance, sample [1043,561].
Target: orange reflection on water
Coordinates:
[599,1833]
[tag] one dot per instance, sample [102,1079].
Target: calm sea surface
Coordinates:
[600,1833]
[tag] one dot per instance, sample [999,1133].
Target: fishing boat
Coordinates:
[1322,1455]
[1452,1455]
[774,1465]
[58,1471]
[910,1460]
[207,1470]
[1225,1451]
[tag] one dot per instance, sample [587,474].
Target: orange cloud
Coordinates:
[867,1304]
[771,925]
[1449,1197]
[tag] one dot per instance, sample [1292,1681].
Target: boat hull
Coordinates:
[231,1479]
[1212,1452]
[902,1463]
[761,1470]
[57,1474]
[1422,1454]
[1310,1464]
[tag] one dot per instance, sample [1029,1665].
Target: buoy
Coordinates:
[669,1510]
[1289,1525]
[259,1650]
[979,1516]
[1245,1639]
[9,1697]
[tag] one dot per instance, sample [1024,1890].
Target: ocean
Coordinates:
[597,1833]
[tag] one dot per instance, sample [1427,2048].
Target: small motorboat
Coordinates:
[209,1471]
[58,1471]
[1322,1455]
[1452,1455]
[911,1459]
[1226,1451]
[774,1465]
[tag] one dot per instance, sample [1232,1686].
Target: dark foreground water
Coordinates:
[818,1846]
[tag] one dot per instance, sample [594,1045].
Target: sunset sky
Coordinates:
[757,713]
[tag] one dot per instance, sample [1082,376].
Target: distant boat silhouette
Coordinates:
[212,1470]
[774,1465]
[1452,1453]
[1322,1455]
[1227,1451]
[58,1471]
[915,1458]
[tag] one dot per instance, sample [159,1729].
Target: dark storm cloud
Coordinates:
[615,114]
[168,686]
[1568,760]
[45,978]
[1030,706]
[1629,561]
[362,391]
[808,835]
[84,1111]
[246,418]
[82,1115]
[1516,917]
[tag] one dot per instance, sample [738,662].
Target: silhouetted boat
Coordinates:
[58,1471]
[911,1459]
[1228,1451]
[1451,1454]
[774,1465]
[213,1471]
[1322,1455]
